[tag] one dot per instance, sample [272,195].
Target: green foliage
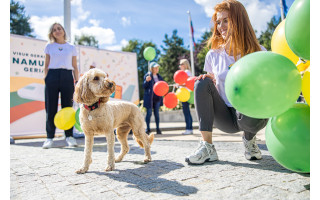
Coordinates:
[138,46]
[173,51]
[265,37]
[86,40]
[202,51]
[19,22]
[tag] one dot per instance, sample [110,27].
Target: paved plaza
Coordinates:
[38,173]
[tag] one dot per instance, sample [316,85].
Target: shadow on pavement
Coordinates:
[266,163]
[146,178]
[100,145]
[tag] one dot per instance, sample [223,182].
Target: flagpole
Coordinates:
[282,12]
[191,44]
[67,18]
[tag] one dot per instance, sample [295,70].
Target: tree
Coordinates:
[173,51]
[86,40]
[19,22]
[138,46]
[265,37]
[202,51]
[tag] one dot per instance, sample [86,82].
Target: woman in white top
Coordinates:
[185,66]
[233,37]
[61,72]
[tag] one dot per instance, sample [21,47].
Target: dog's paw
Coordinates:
[109,168]
[82,170]
[146,160]
[118,159]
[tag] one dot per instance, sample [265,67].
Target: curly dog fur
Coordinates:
[92,87]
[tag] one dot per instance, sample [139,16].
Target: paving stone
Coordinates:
[36,173]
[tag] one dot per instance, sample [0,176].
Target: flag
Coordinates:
[285,8]
[192,34]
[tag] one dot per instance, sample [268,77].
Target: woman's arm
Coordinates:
[46,65]
[146,81]
[75,67]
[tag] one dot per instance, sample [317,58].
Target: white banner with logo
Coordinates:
[27,110]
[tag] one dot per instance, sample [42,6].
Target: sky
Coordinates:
[115,22]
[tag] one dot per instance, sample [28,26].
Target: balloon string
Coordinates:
[301,61]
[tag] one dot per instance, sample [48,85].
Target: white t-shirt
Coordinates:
[60,55]
[155,78]
[219,62]
[188,72]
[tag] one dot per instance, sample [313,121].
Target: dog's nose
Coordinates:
[110,85]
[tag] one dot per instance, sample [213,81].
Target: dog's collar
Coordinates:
[93,106]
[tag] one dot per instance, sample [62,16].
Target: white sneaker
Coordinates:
[47,144]
[252,151]
[71,142]
[204,153]
[188,132]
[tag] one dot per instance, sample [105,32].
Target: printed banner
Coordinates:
[27,109]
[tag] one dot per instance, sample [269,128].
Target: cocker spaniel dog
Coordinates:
[99,116]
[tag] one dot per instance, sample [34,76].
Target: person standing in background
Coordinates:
[150,99]
[185,66]
[61,73]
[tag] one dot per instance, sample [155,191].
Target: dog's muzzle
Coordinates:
[110,85]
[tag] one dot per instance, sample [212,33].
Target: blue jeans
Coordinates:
[187,115]
[156,106]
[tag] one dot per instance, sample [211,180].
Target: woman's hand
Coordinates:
[209,75]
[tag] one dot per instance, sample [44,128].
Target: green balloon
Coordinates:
[297,28]
[77,116]
[78,127]
[288,138]
[149,53]
[191,99]
[263,84]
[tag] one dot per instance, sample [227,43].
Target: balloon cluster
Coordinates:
[161,88]
[66,118]
[268,84]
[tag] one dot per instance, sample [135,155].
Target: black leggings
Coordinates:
[57,81]
[212,110]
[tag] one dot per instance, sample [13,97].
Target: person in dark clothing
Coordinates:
[150,99]
[61,73]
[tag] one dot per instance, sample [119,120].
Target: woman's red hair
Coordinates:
[242,37]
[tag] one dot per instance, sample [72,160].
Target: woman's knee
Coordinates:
[202,85]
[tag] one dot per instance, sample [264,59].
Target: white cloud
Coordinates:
[117,47]
[94,22]
[260,12]
[105,36]
[125,21]
[41,25]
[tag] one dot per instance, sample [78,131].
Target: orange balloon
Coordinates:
[180,77]
[170,100]
[190,83]
[161,88]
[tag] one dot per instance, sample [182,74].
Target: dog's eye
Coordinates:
[96,78]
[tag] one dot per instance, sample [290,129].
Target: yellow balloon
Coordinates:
[279,45]
[306,85]
[303,66]
[65,118]
[183,94]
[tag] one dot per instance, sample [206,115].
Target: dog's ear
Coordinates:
[82,92]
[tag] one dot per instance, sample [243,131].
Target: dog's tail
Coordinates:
[150,140]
